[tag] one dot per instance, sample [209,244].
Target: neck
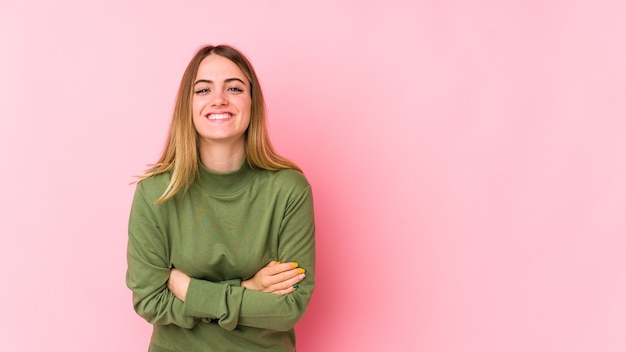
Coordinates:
[221,157]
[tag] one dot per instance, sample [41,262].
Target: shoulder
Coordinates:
[292,178]
[286,179]
[152,188]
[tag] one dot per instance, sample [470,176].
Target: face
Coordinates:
[221,101]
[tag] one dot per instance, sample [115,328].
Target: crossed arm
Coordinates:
[277,278]
[165,295]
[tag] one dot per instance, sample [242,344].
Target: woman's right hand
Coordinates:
[276,277]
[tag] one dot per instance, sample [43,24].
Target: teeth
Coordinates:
[218,116]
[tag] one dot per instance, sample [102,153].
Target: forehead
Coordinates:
[218,68]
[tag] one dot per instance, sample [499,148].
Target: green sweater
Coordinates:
[224,229]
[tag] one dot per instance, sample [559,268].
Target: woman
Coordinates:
[221,249]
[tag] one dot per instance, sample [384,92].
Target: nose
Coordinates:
[219,99]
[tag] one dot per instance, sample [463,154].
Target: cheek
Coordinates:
[196,105]
[246,105]
[248,115]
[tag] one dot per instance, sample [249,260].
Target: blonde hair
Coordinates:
[181,155]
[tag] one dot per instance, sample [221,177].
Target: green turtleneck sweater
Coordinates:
[224,229]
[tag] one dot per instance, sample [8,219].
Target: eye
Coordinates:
[235,90]
[202,91]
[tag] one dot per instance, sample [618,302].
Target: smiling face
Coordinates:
[221,102]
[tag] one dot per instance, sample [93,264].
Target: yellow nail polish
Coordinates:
[301,271]
[295,265]
[276,262]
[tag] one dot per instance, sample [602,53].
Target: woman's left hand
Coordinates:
[277,278]
[178,283]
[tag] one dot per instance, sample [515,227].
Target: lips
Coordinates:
[219,116]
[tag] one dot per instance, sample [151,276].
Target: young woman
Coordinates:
[221,248]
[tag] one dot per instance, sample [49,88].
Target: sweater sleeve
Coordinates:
[238,306]
[149,268]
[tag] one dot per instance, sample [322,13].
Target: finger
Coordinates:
[285,284]
[270,282]
[283,267]
[285,291]
[276,267]
[286,275]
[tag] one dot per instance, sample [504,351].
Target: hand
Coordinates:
[178,283]
[277,278]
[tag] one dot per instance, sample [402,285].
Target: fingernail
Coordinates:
[276,262]
[295,264]
[301,271]
[296,286]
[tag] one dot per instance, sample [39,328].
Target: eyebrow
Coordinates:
[226,80]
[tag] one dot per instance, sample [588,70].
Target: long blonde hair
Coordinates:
[181,155]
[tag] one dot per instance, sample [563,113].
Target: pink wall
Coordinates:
[468,160]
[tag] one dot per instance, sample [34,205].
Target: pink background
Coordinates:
[468,160]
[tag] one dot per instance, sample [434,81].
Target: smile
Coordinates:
[218,116]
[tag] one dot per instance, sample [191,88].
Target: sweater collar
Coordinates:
[225,183]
